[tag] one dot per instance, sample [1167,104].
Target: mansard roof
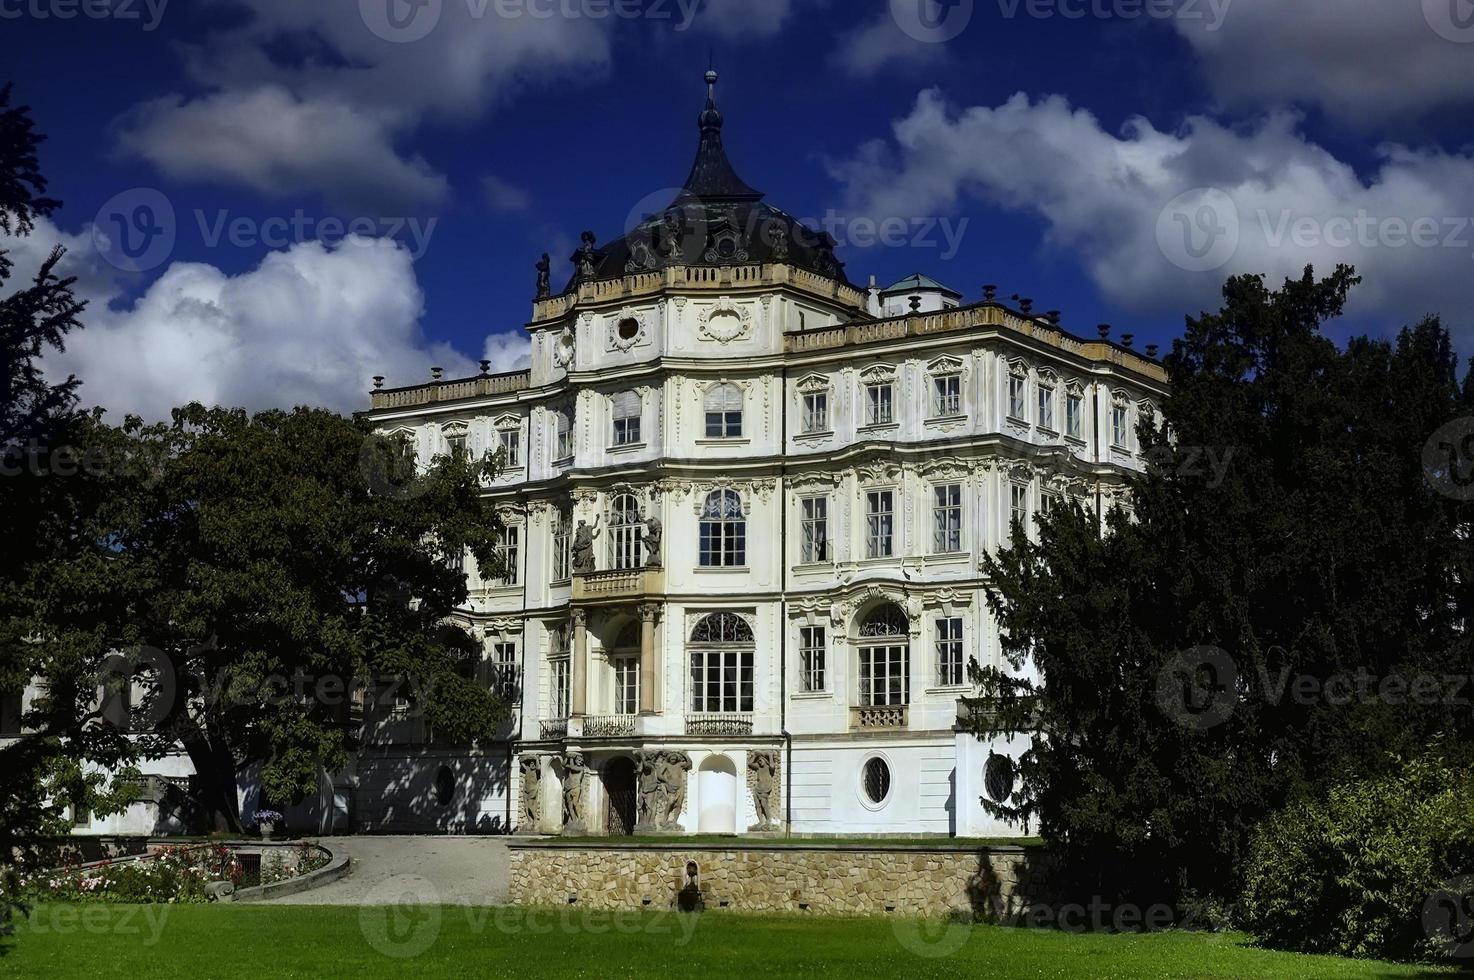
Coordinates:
[716,219]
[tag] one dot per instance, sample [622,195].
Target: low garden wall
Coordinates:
[840,879]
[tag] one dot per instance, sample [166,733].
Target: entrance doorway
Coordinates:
[619,792]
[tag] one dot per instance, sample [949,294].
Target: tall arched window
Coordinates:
[885,657]
[721,649]
[626,533]
[723,531]
[724,412]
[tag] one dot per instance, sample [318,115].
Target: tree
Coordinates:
[35,777]
[1155,662]
[248,577]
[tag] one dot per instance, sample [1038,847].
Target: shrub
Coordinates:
[1353,872]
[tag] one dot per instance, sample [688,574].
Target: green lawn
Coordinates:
[749,840]
[306,941]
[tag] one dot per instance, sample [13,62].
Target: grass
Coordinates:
[688,840]
[316,941]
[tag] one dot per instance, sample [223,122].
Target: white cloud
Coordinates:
[511,351]
[310,325]
[1364,61]
[742,18]
[869,47]
[502,196]
[1108,198]
[271,141]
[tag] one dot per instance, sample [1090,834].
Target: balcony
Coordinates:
[553,728]
[618,585]
[608,726]
[708,724]
[879,718]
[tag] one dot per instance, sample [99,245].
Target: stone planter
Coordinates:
[268,830]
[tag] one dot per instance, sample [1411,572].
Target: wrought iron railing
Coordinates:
[553,728]
[715,724]
[608,726]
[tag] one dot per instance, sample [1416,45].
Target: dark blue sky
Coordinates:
[578,138]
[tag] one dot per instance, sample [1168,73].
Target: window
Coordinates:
[626,685]
[626,533]
[946,395]
[949,652]
[1120,424]
[510,441]
[1074,410]
[1046,405]
[445,786]
[626,411]
[507,541]
[878,405]
[503,673]
[947,519]
[723,531]
[999,777]
[1019,503]
[816,412]
[815,529]
[561,686]
[875,779]
[563,447]
[1016,384]
[812,650]
[724,412]
[880,515]
[455,559]
[10,712]
[722,664]
[885,658]
[562,544]
[1047,503]
[455,440]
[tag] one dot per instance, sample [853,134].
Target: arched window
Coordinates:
[885,658]
[723,531]
[724,412]
[626,533]
[722,650]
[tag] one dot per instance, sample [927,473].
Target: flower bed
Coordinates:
[169,874]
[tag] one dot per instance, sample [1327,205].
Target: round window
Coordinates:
[876,780]
[998,778]
[445,786]
[629,328]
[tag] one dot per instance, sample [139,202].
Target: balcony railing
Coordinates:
[878,718]
[553,728]
[608,726]
[707,724]
[619,583]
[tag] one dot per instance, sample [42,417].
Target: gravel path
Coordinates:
[414,870]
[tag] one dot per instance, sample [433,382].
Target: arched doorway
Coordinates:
[716,796]
[619,796]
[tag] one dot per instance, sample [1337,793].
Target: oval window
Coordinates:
[629,328]
[876,780]
[445,786]
[999,777]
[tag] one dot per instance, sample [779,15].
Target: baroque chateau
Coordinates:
[745,504]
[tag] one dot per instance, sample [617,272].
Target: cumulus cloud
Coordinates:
[1160,219]
[310,325]
[876,44]
[1364,61]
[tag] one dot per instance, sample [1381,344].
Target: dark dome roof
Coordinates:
[716,219]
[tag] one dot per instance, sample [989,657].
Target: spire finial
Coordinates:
[710,117]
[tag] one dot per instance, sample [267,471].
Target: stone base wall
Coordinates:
[837,880]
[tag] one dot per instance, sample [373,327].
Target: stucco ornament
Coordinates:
[724,321]
[662,786]
[762,781]
[576,794]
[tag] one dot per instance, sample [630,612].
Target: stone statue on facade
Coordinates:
[654,531]
[544,277]
[577,775]
[780,243]
[583,547]
[531,809]
[662,786]
[763,780]
[584,260]
[672,233]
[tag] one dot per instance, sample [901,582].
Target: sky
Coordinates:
[269,202]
